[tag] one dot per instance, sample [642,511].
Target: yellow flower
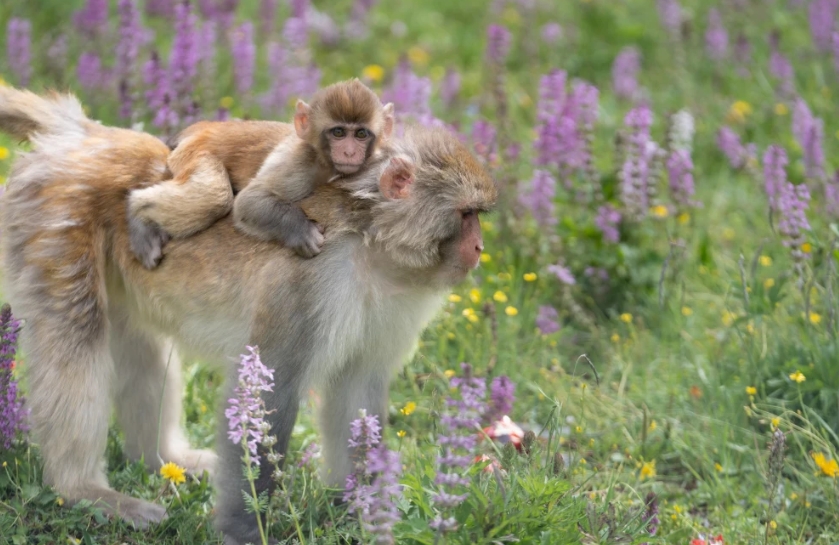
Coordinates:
[455,298]
[173,472]
[615,338]
[683,218]
[659,211]
[806,247]
[408,408]
[653,425]
[781,109]
[728,233]
[739,111]
[59,500]
[828,467]
[373,72]
[418,55]
[578,429]
[511,311]
[468,311]
[815,318]
[648,470]
[728,318]
[400,434]
[504,277]
[797,377]
[529,277]
[765,260]
[486,258]
[626,318]
[583,461]
[775,422]
[500,296]
[677,508]
[768,283]
[448,373]
[773,525]
[475,295]
[4,153]
[226,102]
[687,311]
[718,467]
[2,81]
[751,390]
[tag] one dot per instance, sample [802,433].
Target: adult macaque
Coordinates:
[399,235]
[338,134]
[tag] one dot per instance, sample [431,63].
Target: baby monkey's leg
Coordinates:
[193,200]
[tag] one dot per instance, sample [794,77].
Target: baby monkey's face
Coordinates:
[349,147]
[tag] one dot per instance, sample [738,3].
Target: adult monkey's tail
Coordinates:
[24,114]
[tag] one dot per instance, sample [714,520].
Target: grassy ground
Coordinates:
[694,336]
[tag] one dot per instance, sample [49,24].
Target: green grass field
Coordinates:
[668,375]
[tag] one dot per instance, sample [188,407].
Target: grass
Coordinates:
[686,322]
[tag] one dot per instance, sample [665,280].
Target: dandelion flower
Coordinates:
[768,283]
[173,472]
[648,470]
[626,318]
[409,408]
[798,377]
[687,311]
[486,258]
[718,467]
[4,153]
[765,260]
[500,296]
[455,298]
[529,277]
[751,390]
[827,467]
[511,311]
[401,433]
[659,211]
[373,72]
[815,318]
[807,248]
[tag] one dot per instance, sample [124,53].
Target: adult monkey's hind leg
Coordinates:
[148,399]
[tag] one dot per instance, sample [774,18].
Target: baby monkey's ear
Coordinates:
[387,126]
[397,179]
[301,119]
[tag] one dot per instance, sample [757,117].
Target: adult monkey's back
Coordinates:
[397,238]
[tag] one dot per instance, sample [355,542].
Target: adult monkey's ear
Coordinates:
[397,179]
[301,119]
[387,127]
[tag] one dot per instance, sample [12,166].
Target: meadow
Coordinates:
[659,280]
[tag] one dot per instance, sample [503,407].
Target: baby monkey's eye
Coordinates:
[338,132]
[361,134]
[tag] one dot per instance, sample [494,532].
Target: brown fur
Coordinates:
[342,322]
[210,158]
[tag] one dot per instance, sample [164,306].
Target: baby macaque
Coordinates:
[337,135]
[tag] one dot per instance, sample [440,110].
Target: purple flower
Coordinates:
[716,38]
[670,13]
[291,79]
[159,94]
[450,87]
[267,16]
[680,175]
[160,8]
[90,73]
[356,27]
[131,38]
[458,442]
[640,162]
[374,502]
[12,412]
[502,395]
[498,43]
[774,174]
[483,140]
[651,514]
[19,49]
[92,19]
[539,199]
[246,412]
[551,33]
[183,59]
[296,33]
[310,452]
[780,67]
[607,220]
[244,56]
[547,320]
[728,142]
[625,72]
[793,201]
[299,8]
[822,16]
[809,132]
[410,94]
[563,273]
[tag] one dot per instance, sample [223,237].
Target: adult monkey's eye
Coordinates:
[338,132]
[467,212]
[361,134]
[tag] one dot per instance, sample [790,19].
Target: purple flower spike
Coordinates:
[774,174]
[244,56]
[716,38]
[563,274]
[502,395]
[19,49]
[625,73]
[498,43]
[12,412]
[246,412]
[539,199]
[92,19]
[638,167]
[822,17]
[680,174]
[547,320]
[608,219]
[670,13]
